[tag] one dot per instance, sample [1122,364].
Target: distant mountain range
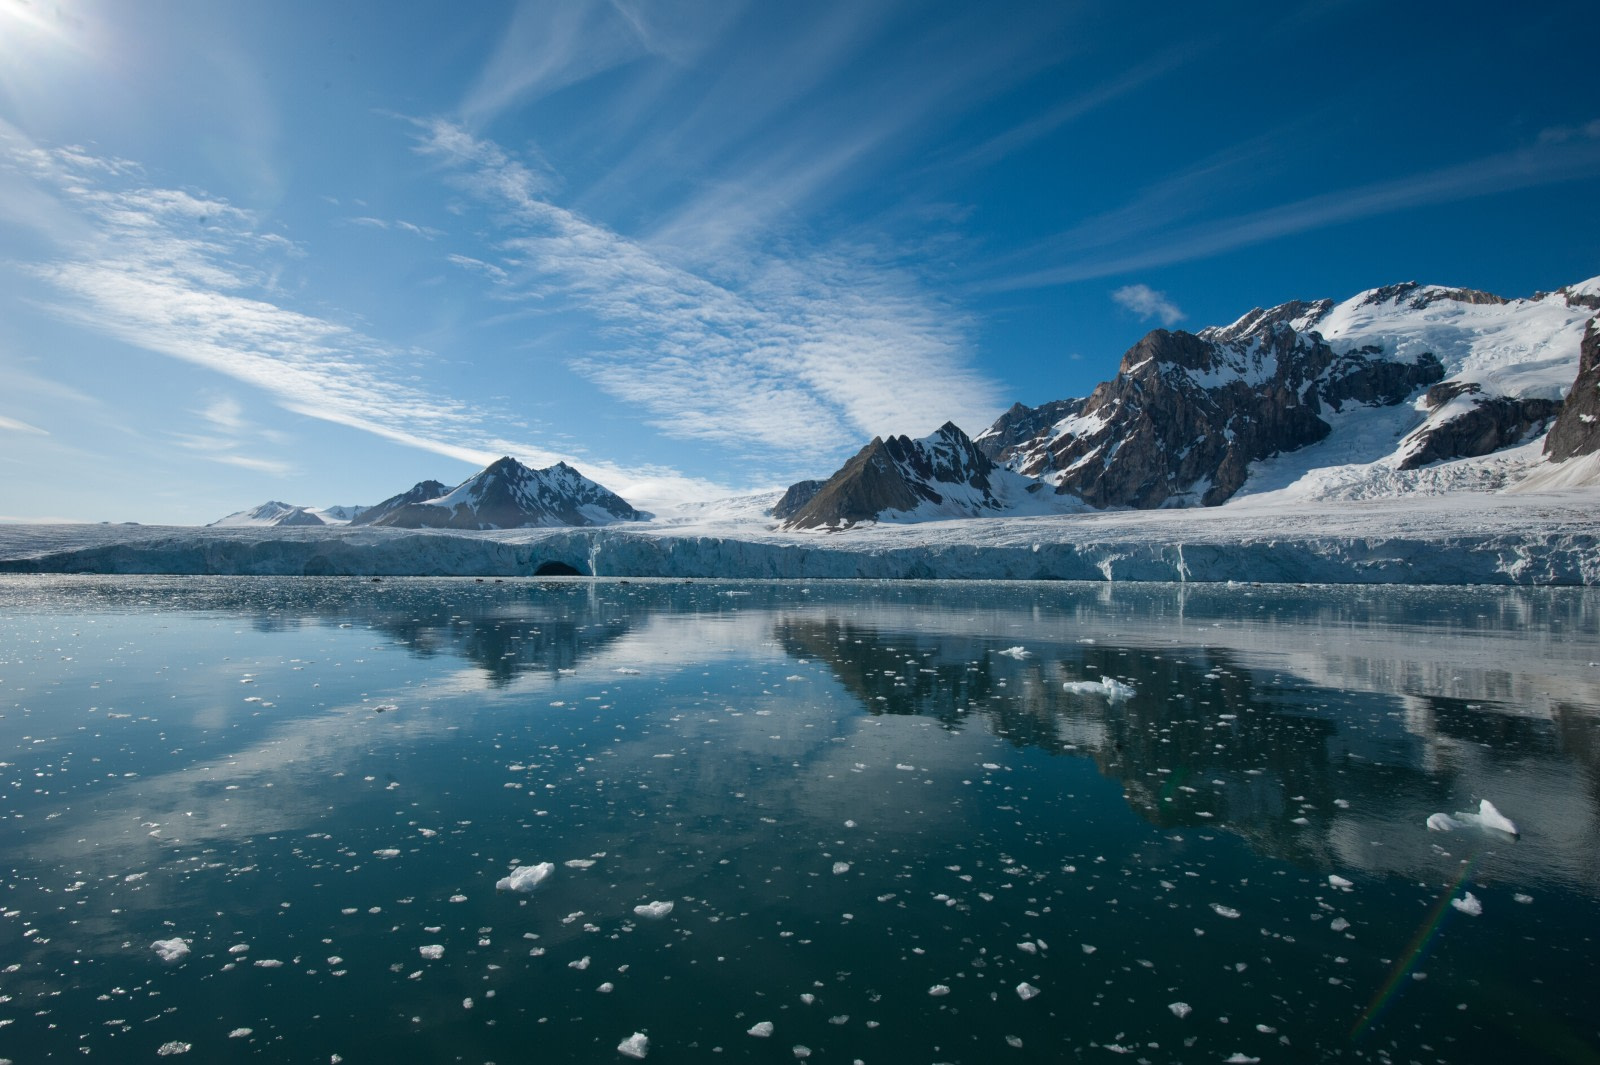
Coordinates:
[274,513]
[1383,394]
[504,495]
[1406,389]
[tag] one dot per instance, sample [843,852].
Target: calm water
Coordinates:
[883,815]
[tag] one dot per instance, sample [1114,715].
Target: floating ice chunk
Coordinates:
[1018,653]
[939,990]
[1180,1010]
[1014,1041]
[840,868]
[578,863]
[580,965]
[241,1033]
[761,1029]
[1109,687]
[170,950]
[802,1052]
[653,910]
[628,670]
[1089,948]
[432,951]
[1489,817]
[1468,904]
[1524,899]
[1335,880]
[388,852]
[1339,924]
[1025,991]
[636,1045]
[525,878]
[1224,911]
[175,1046]
[1029,946]
[1240,1058]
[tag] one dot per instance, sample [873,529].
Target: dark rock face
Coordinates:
[901,474]
[1489,424]
[1020,425]
[798,495]
[1186,415]
[508,495]
[1577,431]
[418,493]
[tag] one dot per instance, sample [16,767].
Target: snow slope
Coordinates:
[1516,349]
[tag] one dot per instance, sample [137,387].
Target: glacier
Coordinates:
[1520,538]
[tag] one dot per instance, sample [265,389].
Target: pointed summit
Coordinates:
[508,495]
[942,475]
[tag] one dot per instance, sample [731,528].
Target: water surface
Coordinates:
[895,822]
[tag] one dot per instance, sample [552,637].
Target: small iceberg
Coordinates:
[636,1045]
[653,910]
[1469,905]
[524,878]
[1109,687]
[1019,652]
[1487,818]
[171,950]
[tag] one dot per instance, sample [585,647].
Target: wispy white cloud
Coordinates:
[13,425]
[178,273]
[188,276]
[426,232]
[1548,162]
[546,47]
[1147,303]
[799,353]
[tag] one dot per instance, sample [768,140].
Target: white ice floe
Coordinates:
[1335,880]
[1224,911]
[1018,653]
[1487,818]
[939,990]
[525,878]
[840,868]
[172,1047]
[170,950]
[1180,1010]
[761,1029]
[636,1045]
[1025,991]
[432,951]
[1339,924]
[653,910]
[1108,687]
[1468,904]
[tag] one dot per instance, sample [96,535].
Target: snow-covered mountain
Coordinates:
[506,495]
[1387,393]
[273,513]
[420,492]
[899,479]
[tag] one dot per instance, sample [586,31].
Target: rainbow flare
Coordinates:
[1414,952]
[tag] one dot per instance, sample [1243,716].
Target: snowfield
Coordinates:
[1527,537]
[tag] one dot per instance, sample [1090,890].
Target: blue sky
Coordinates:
[318,252]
